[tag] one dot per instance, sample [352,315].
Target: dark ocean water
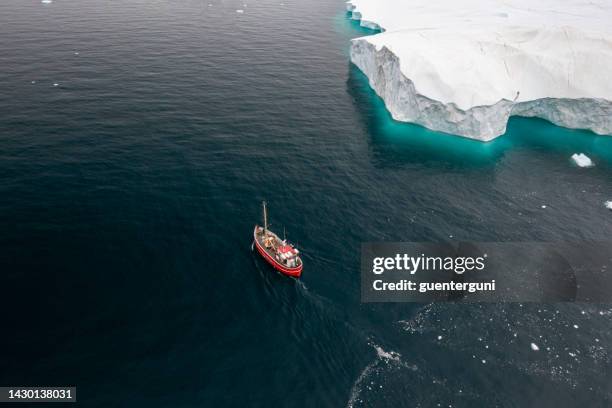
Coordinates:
[128,194]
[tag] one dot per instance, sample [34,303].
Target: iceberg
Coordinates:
[608,205]
[466,68]
[582,160]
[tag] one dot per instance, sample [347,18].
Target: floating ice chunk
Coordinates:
[392,355]
[46,1]
[56,84]
[239,11]
[582,160]
[575,326]
[534,347]
[544,206]
[439,337]
[608,205]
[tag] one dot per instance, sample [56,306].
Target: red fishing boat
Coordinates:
[283,256]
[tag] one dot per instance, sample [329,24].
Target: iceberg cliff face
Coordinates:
[465,70]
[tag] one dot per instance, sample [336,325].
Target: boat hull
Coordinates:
[293,272]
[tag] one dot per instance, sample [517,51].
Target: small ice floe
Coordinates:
[439,337]
[544,206]
[33,82]
[46,1]
[534,347]
[608,205]
[582,160]
[239,11]
[575,326]
[76,53]
[55,84]
[392,355]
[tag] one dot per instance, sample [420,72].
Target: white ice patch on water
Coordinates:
[392,355]
[239,11]
[534,347]
[385,360]
[415,324]
[46,1]
[582,160]
[608,205]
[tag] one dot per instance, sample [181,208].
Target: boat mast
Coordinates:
[265,214]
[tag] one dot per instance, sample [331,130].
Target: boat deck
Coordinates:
[272,245]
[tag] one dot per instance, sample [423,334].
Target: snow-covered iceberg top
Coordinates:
[464,68]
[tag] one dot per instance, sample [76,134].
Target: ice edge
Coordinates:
[483,123]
